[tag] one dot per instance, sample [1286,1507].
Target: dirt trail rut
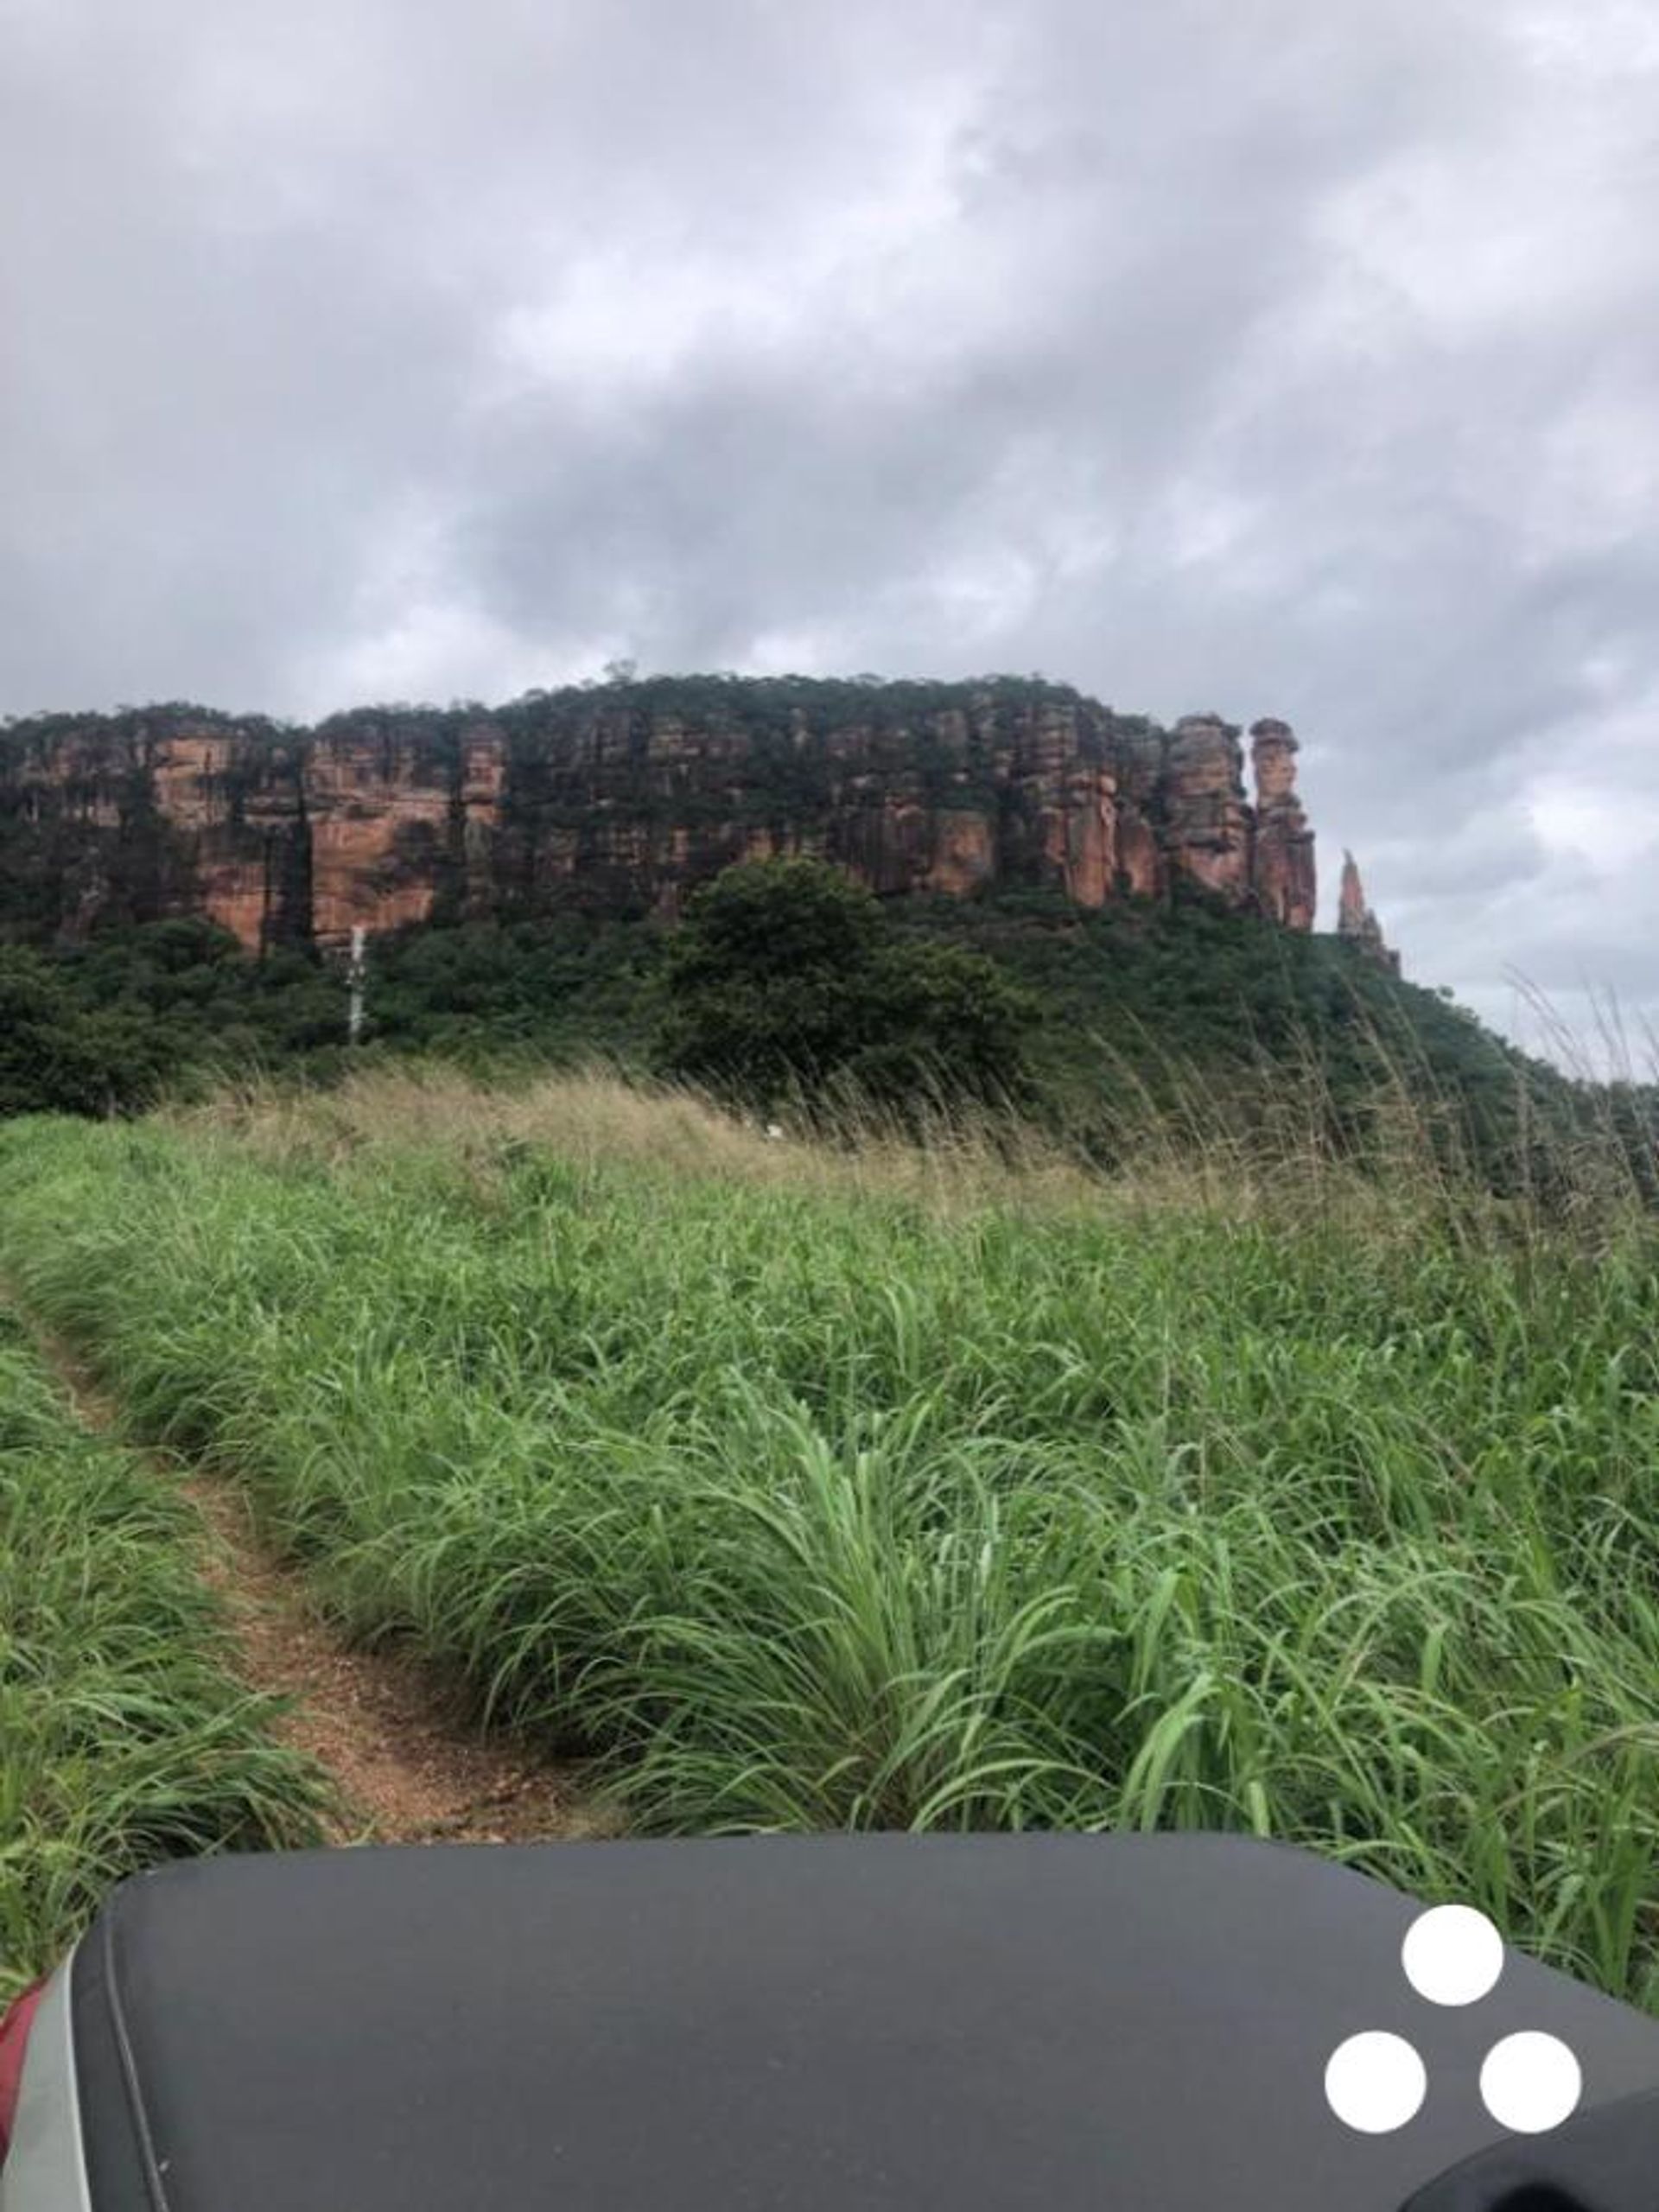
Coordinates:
[409,1763]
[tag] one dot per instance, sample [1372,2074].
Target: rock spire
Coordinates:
[1355,923]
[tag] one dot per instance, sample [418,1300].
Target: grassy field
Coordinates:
[818,1489]
[124,1738]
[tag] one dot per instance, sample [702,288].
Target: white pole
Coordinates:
[355,975]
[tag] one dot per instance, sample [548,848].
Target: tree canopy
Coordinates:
[786,976]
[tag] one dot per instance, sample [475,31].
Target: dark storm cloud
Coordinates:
[1281,359]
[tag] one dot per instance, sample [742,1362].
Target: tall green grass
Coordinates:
[815,1498]
[124,1738]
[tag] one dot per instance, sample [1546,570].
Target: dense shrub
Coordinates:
[787,975]
[58,1057]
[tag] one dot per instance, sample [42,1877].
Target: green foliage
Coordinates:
[55,1055]
[753,702]
[1197,1013]
[555,989]
[813,1505]
[104,1025]
[786,976]
[766,984]
[124,1739]
[181,995]
[1092,1023]
[950,1022]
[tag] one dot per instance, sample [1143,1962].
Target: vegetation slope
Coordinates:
[875,1485]
[124,1736]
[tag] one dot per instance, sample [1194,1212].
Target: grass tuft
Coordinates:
[124,1738]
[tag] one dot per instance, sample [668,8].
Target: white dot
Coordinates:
[1452,1954]
[1375,2082]
[1530,2082]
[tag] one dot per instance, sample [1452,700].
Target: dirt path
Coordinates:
[410,1766]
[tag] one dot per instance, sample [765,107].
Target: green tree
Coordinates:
[786,975]
[948,1019]
[56,1057]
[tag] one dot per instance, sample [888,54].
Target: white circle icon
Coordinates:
[1530,2082]
[1453,1955]
[1375,2082]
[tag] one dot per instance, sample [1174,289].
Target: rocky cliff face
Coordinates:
[1282,871]
[621,799]
[1355,923]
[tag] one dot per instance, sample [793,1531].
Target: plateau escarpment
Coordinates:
[620,799]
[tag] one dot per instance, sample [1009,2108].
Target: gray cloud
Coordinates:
[1282,359]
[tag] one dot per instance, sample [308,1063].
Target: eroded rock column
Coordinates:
[1208,833]
[1282,865]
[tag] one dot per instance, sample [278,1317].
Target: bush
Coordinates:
[787,977]
[56,1057]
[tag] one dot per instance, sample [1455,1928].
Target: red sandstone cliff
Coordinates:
[1356,924]
[622,800]
[1283,865]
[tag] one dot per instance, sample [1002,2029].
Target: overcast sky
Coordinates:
[1293,357]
